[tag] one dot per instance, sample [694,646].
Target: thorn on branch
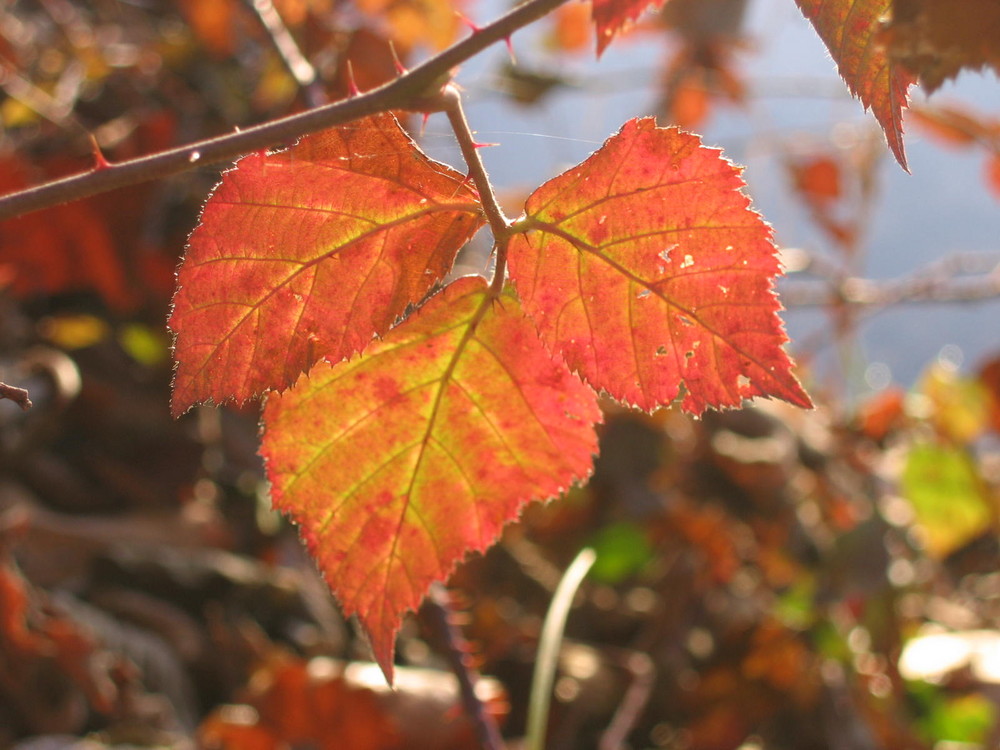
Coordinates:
[400,68]
[18,395]
[100,161]
[352,84]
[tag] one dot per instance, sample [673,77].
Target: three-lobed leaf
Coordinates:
[643,269]
[399,462]
[646,269]
[309,253]
[850,29]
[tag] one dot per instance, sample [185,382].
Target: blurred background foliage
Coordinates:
[766,579]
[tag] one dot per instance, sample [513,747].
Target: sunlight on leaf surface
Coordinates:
[850,30]
[398,463]
[645,268]
[310,252]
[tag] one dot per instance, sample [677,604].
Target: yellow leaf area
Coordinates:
[957,406]
[414,23]
[397,463]
[941,484]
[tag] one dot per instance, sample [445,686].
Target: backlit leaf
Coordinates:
[850,29]
[308,253]
[399,462]
[645,268]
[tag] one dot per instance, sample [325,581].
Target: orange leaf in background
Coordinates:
[948,125]
[993,174]
[612,16]
[989,377]
[647,270]
[817,178]
[213,23]
[881,413]
[937,39]
[399,462]
[413,23]
[850,30]
[310,252]
[367,59]
[689,103]
[572,27]
[818,181]
[61,249]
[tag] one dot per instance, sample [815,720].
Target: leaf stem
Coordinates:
[499,223]
[409,91]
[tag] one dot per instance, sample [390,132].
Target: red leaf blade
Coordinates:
[611,16]
[398,463]
[309,253]
[850,30]
[645,268]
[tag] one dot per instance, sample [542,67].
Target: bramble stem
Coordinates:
[499,223]
[409,91]
[439,605]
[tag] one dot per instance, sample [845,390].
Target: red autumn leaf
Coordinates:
[850,30]
[611,16]
[308,253]
[645,268]
[399,462]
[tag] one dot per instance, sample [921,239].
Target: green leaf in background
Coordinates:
[965,718]
[941,484]
[622,550]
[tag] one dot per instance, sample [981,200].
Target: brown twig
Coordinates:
[499,223]
[409,91]
[18,395]
[457,653]
[959,278]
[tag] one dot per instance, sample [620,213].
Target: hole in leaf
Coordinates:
[643,294]
[687,262]
[742,382]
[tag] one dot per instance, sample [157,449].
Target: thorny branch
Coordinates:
[499,223]
[409,91]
